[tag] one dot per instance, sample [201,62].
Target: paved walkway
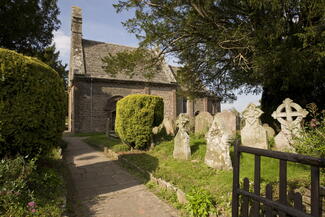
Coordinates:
[103,189]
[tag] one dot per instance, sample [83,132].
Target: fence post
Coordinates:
[235,196]
[314,191]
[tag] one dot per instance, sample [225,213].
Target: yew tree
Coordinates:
[27,27]
[269,46]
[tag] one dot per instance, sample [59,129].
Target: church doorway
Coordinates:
[111,112]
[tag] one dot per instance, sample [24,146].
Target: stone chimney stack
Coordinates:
[76,61]
[76,52]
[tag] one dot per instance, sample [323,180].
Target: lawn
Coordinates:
[194,173]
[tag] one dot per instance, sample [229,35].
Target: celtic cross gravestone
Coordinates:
[290,115]
[253,134]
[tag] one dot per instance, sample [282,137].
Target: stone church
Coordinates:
[93,93]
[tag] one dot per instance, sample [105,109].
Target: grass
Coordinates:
[194,173]
[101,141]
[168,196]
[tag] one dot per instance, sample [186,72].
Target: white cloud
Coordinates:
[62,43]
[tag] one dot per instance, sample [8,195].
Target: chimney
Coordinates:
[76,61]
[76,51]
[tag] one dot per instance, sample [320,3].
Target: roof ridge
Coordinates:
[101,42]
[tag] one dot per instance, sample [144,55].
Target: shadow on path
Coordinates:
[102,188]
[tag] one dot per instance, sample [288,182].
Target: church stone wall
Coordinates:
[91,98]
[200,105]
[169,96]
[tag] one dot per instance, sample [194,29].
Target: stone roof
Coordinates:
[94,51]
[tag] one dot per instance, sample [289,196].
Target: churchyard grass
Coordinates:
[194,172]
[101,141]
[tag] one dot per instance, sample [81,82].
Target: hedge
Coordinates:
[32,105]
[136,115]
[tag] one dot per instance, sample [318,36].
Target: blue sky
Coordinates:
[102,23]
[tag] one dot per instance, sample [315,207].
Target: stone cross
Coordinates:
[253,134]
[182,148]
[290,115]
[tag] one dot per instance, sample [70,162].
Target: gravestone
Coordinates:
[182,148]
[230,120]
[290,115]
[223,128]
[253,134]
[191,124]
[269,131]
[203,122]
[169,125]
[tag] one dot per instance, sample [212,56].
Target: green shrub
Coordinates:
[32,105]
[14,192]
[200,203]
[311,142]
[136,115]
[312,139]
[28,189]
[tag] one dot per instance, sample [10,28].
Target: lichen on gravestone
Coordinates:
[253,133]
[182,148]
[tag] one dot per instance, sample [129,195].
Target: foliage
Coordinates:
[29,189]
[253,45]
[51,57]
[131,62]
[32,105]
[200,203]
[13,184]
[34,23]
[312,139]
[136,115]
[27,26]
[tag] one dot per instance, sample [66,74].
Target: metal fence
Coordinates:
[265,205]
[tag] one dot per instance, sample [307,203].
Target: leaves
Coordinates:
[33,106]
[136,115]
[27,26]
[200,203]
[250,45]
[132,63]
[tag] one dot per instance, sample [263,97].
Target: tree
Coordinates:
[27,27]
[51,58]
[277,47]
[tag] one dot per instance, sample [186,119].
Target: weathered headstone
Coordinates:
[253,134]
[182,148]
[203,122]
[191,124]
[169,125]
[290,115]
[222,129]
[230,120]
[269,131]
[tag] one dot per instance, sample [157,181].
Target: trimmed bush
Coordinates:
[32,105]
[136,115]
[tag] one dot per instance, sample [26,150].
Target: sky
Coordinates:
[102,23]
